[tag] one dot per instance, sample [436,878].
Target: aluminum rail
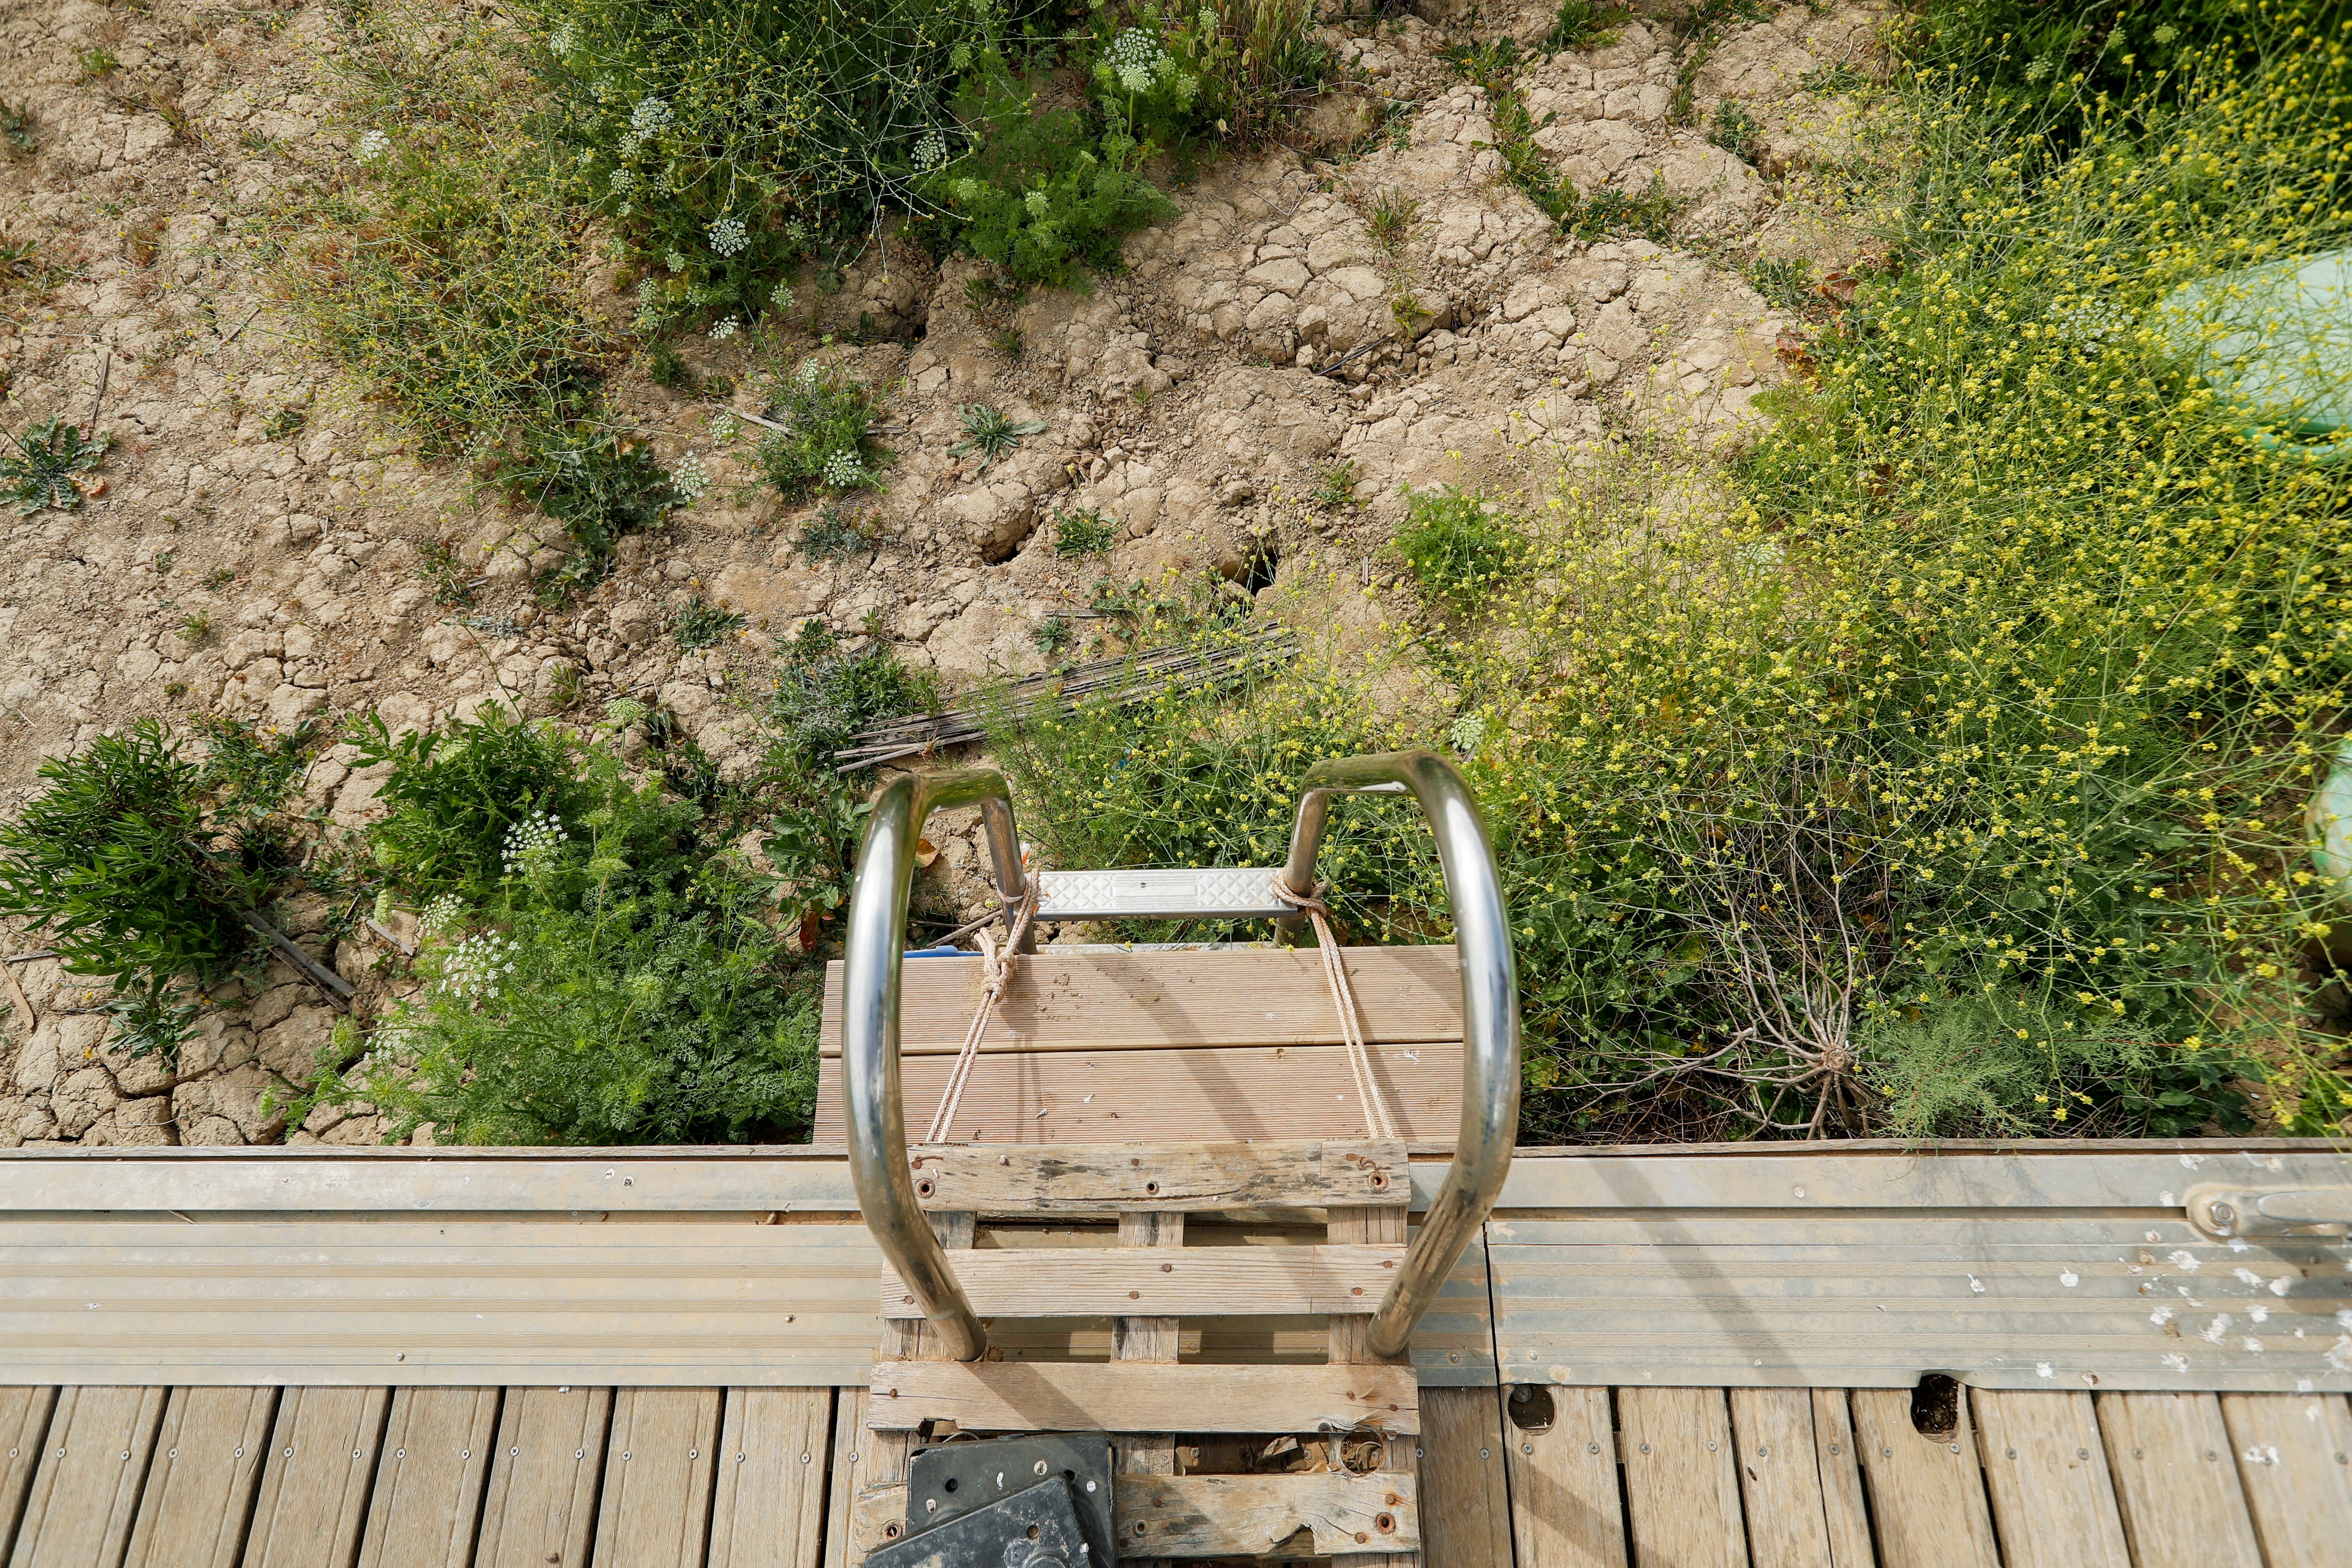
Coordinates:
[1490,1009]
[869,1029]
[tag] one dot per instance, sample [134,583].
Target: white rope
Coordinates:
[996,974]
[1343,999]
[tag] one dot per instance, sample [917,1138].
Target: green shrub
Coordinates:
[833,535]
[1736,131]
[39,474]
[443,268]
[698,623]
[617,984]
[828,438]
[729,145]
[1581,25]
[456,796]
[989,436]
[824,693]
[141,864]
[601,486]
[1169,77]
[1458,544]
[1038,193]
[1083,533]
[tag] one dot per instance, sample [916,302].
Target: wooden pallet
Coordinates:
[1152,1405]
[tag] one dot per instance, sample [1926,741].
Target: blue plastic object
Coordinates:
[2280,336]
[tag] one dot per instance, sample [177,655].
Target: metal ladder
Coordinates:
[933,1368]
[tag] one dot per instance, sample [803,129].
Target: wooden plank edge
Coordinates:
[1143,1396]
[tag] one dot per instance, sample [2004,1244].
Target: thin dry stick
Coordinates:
[105,368]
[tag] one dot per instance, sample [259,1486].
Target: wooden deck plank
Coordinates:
[2177,1481]
[1465,1497]
[1842,1507]
[1927,1494]
[1349,1338]
[855,1466]
[2293,1455]
[539,1507]
[2053,1503]
[1148,1337]
[1129,1396]
[770,1508]
[563,1299]
[1566,1510]
[198,1498]
[1682,1488]
[660,1464]
[1199,1281]
[1780,1473]
[1097,1001]
[85,1496]
[1230,1094]
[1837,1300]
[24,1422]
[425,1508]
[1088,1178]
[315,1479]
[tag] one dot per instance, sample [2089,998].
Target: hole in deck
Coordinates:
[1531,1407]
[1935,1405]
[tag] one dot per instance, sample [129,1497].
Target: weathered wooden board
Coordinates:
[2053,1504]
[770,1508]
[659,1464]
[1566,1509]
[1350,1338]
[1232,1094]
[201,1481]
[1099,1000]
[2016,1298]
[1842,1493]
[2177,1481]
[539,1507]
[1356,1518]
[857,1459]
[713,1180]
[1795,1179]
[1081,1178]
[1682,1489]
[85,1495]
[1142,1397]
[24,1422]
[2294,1459]
[1927,1494]
[1782,1486]
[1466,1506]
[1148,1337]
[1215,1281]
[478,1303]
[314,1481]
[426,1503]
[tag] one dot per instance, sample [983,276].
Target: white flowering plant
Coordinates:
[827,441]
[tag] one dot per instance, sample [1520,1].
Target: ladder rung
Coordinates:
[1097,1178]
[1216,892]
[1142,1396]
[1164,1281]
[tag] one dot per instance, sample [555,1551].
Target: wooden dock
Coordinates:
[287,1359]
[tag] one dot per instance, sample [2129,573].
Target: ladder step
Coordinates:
[1142,1397]
[1215,892]
[1100,1179]
[1164,1281]
[1221,1516]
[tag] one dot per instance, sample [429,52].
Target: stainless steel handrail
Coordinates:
[869,1029]
[1490,1009]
